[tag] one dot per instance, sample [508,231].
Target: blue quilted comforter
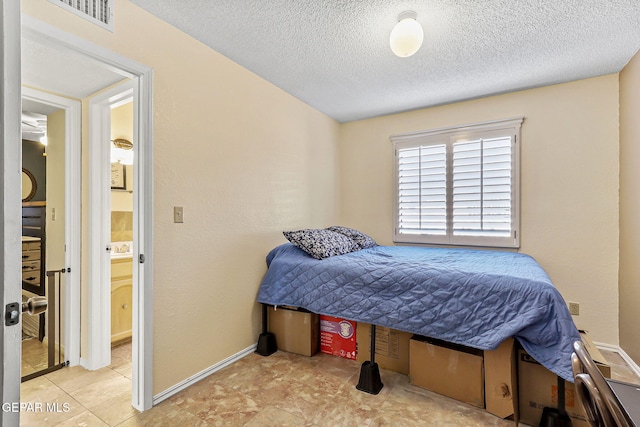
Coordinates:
[476,298]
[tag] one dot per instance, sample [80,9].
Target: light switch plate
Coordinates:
[178,214]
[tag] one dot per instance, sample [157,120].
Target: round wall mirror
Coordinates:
[29,185]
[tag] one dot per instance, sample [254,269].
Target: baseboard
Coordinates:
[617,349]
[84,363]
[202,374]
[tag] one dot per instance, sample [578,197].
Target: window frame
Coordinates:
[448,136]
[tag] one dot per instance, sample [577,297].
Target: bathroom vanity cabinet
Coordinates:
[121,299]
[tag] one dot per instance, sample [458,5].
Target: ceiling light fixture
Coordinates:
[407,35]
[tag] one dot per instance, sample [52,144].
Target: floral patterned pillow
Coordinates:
[321,243]
[364,241]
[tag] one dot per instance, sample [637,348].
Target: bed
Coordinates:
[476,298]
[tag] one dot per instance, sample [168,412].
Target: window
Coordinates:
[99,12]
[459,186]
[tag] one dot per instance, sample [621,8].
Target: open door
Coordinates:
[11,200]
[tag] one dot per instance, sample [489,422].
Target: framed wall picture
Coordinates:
[118,177]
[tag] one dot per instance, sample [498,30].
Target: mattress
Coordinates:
[476,298]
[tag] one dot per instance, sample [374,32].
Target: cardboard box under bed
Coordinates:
[486,379]
[538,387]
[296,331]
[507,382]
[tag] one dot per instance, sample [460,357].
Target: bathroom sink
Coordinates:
[121,250]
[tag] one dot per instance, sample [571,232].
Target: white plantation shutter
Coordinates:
[482,184]
[422,190]
[99,12]
[459,185]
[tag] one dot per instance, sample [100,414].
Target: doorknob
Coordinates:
[35,305]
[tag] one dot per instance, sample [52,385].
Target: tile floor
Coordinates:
[80,397]
[281,390]
[34,356]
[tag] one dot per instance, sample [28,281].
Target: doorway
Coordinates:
[114,269]
[51,244]
[121,186]
[97,221]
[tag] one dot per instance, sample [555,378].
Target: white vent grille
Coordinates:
[99,12]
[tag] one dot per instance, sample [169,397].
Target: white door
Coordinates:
[10,209]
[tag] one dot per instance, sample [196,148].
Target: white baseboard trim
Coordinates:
[617,349]
[84,363]
[202,374]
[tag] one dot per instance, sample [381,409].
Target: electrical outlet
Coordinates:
[574,308]
[178,214]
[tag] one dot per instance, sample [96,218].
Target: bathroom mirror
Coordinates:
[29,185]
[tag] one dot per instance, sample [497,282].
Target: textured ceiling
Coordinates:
[335,55]
[62,71]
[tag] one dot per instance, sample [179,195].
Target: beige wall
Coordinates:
[630,208]
[122,127]
[243,158]
[569,183]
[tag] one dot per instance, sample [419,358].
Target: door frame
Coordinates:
[142,381]
[10,201]
[99,313]
[73,178]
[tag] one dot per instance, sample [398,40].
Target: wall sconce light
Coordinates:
[122,151]
[44,141]
[407,35]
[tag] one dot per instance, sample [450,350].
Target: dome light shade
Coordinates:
[407,35]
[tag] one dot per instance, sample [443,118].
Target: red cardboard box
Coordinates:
[338,337]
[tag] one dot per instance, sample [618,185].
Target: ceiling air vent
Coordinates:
[100,12]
